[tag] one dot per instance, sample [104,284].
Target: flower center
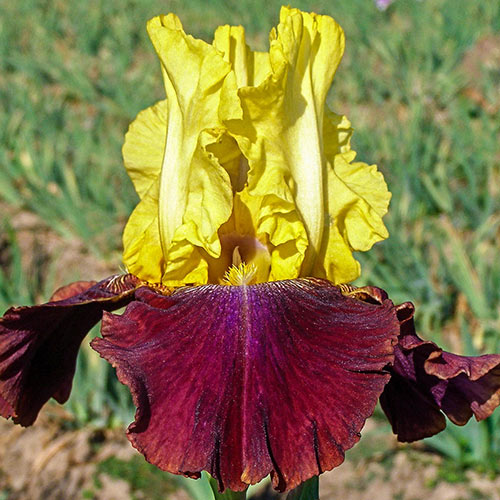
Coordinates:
[241,275]
[243,253]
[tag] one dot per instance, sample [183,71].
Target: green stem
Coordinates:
[228,494]
[308,490]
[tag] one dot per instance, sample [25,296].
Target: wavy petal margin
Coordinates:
[39,344]
[428,383]
[236,380]
[281,133]
[144,146]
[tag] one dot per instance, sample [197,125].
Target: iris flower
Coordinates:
[245,352]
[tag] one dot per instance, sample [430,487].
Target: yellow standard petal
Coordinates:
[194,73]
[194,192]
[267,198]
[281,133]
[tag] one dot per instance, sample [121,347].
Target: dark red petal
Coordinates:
[68,291]
[428,381]
[245,381]
[6,410]
[39,344]
[468,385]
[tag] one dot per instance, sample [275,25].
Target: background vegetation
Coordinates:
[419,81]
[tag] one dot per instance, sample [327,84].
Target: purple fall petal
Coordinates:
[39,344]
[243,381]
[428,382]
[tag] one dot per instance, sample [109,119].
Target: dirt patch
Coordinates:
[408,475]
[51,461]
[47,256]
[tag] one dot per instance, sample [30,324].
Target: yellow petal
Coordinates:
[143,255]
[209,197]
[357,200]
[144,146]
[186,261]
[250,67]
[361,200]
[337,133]
[187,193]
[277,223]
[269,218]
[192,182]
[282,126]
[335,261]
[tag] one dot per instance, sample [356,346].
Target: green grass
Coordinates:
[74,74]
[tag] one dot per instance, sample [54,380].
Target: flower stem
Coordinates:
[308,490]
[228,494]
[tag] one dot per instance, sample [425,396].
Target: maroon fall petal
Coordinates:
[243,381]
[39,344]
[6,410]
[428,383]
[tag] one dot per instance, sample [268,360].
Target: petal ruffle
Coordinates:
[39,344]
[428,383]
[236,379]
[194,74]
[186,193]
[144,146]
[357,199]
[281,129]
[362,200]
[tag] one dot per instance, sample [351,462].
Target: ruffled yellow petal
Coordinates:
[357,200]
[282,125]
[278,224]
[144,146]
[194,190]
[337,133]
[194,73]
[275,221]
[362,199]
[188,262]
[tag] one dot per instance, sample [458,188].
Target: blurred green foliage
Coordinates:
[420,83]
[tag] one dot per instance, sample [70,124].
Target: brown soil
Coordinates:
[47,462]
[41,246]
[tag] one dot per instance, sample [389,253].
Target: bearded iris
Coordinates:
[245,353]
